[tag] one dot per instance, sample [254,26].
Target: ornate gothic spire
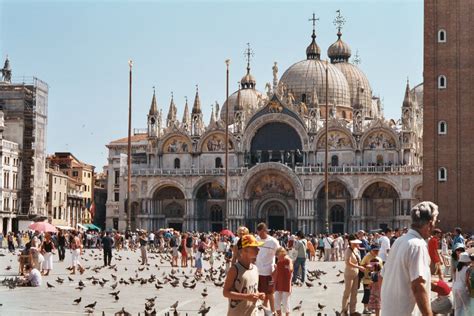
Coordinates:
[197,102]
[186,117]
[153,106]
[408,101]
[171,118]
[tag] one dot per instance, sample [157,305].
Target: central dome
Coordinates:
[250,98]
[307,76]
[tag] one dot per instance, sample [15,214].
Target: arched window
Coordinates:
[442,36]
[442,82]
[177,163]
[442,128]
[218,163]
[442,174]
[334,161]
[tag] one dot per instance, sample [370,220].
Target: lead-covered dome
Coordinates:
[249,99]
[307,76]
[356,79]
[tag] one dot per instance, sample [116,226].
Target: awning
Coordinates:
[82,226]
[92,227]
[64,227]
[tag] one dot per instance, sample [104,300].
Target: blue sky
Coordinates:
[81,49]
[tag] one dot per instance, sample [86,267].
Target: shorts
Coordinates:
[174,251]
[198,263]
[282,301]
[189,251]
[265,284]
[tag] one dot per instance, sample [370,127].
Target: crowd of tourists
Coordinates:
[399,265]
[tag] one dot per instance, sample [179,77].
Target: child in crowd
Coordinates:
[375,287]
[241,283]
[33,276]
[282,276]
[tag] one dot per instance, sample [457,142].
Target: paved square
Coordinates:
[59,300]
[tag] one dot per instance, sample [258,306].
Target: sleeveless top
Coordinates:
[48,246]
[246,281]
[283,279]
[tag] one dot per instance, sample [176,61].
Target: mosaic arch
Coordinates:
[215,142]
[381,200]
[336,140]
[270,183]
[380,140]
[168,201]
[177,144]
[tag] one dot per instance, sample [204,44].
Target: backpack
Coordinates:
[189,242]
[173,242]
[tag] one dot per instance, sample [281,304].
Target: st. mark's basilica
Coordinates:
[276,155]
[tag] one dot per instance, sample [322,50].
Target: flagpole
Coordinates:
[226,220]
[326,158]
[129,148]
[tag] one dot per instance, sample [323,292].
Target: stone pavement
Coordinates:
[59,300]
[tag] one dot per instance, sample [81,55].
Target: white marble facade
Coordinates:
[276,156]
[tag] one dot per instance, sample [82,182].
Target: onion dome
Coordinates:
[339,51]
[313,51]
[248,81]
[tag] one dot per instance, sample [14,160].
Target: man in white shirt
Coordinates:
[265,264]
[328,246]
[384,243]
[406,285]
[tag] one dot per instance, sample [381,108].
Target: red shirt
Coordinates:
[441,287]
[433,245]
[283,276]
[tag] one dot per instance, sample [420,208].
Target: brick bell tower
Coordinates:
[448,108]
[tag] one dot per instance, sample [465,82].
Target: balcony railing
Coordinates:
[187,172]
[393,169]
[360,169]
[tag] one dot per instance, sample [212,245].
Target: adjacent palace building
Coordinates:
[276,155]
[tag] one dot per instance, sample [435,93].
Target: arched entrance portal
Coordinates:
[339,207]
[168,207]
[380,202]
[273,213]
[271,198]
[210,205]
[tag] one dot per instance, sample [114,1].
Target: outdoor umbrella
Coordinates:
[227,232]
[42,227]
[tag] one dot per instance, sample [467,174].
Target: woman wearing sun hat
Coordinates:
[351,275]
[460,286]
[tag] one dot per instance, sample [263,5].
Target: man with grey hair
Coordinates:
[406,275]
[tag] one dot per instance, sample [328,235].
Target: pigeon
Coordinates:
[114,293]
[266,311]
[325,287]
[50,286]
[321,307]
[298,307]
[204,309]
[116,297]
[309,284]
[175,305]
[70,279]
[92,305]
[77,300]
[81,283]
